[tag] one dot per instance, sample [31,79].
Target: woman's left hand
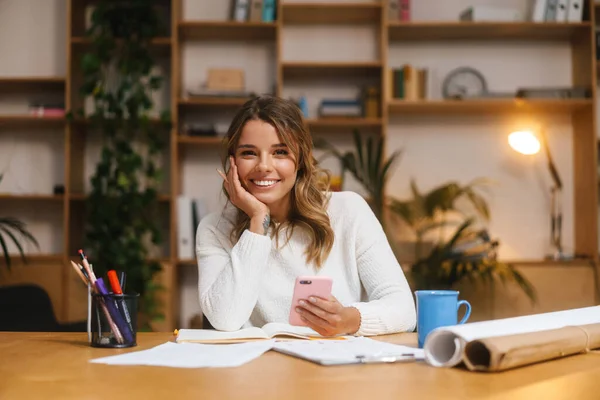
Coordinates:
[328,316]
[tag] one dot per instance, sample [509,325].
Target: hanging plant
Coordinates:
[122,208]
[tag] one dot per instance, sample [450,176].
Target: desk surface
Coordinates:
[55,366]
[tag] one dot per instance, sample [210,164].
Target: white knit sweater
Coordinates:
[251,283]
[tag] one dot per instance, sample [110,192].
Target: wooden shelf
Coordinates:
[213,101]
[160,46]
[11,196]
[344,123]
[159,41]
[86,121]
[82,196]
[34,259]
[294,70]
[490,106]
[200,140]
[32,83]
[30,121]
[420,31]
[227,30]
[332,13]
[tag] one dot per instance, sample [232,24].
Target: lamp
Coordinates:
[526,142]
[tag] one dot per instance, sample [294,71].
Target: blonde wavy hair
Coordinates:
[309,195]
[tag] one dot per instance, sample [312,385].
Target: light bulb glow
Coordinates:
[525,142]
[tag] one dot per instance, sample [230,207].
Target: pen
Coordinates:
[122,329]
[116,288]
[87,267]
[122,279]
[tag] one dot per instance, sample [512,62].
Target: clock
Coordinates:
[464,82]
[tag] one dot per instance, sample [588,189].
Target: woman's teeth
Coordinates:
[264,183]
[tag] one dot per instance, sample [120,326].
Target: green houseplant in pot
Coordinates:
[460,252]
[122,210]
[14,229]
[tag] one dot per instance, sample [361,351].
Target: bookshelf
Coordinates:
[301,15]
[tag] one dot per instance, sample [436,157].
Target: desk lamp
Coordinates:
[526,142]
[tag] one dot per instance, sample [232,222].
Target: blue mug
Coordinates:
[436,308]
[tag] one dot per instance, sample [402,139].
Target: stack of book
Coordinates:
[331,108]
[409,83]
[399,10]
[558,11]
[253,10]
[46,110]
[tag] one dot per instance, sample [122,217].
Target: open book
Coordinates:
[269,331]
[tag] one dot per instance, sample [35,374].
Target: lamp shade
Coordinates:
[525,142]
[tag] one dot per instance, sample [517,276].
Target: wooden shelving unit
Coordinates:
[579,35]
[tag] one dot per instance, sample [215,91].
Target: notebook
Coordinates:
[272,330]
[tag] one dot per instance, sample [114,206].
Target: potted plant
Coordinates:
[122,218]
[460,250]
[10,228]
[468,253]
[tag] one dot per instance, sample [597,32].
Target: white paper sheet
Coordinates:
[339,352]
[192,355]
[444,347]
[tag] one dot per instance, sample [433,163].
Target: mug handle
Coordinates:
[467,313]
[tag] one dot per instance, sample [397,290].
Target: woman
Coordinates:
[281,223]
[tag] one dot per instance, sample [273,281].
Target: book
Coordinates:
[272,330]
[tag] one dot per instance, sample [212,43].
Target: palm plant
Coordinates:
[468,254]
[11,227]
[367,165]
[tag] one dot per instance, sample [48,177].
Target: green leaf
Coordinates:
[5,251]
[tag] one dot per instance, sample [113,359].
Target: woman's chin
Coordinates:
[266,198]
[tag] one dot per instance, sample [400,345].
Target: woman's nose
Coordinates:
[265,163]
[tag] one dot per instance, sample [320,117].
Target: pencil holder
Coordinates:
[114,320]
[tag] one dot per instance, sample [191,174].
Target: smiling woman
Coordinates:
[281,222]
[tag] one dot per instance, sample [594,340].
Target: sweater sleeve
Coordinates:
[390,307]
[229,278]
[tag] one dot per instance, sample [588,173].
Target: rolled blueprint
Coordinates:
[506,352]
[446,346]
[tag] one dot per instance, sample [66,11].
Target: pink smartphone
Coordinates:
[305,287]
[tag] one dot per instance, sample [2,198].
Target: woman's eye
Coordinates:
[281,152]
[246,153]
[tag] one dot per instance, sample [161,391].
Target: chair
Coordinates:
[27,308]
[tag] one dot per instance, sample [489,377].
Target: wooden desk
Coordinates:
[55,366]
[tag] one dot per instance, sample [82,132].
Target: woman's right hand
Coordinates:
[257,211]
